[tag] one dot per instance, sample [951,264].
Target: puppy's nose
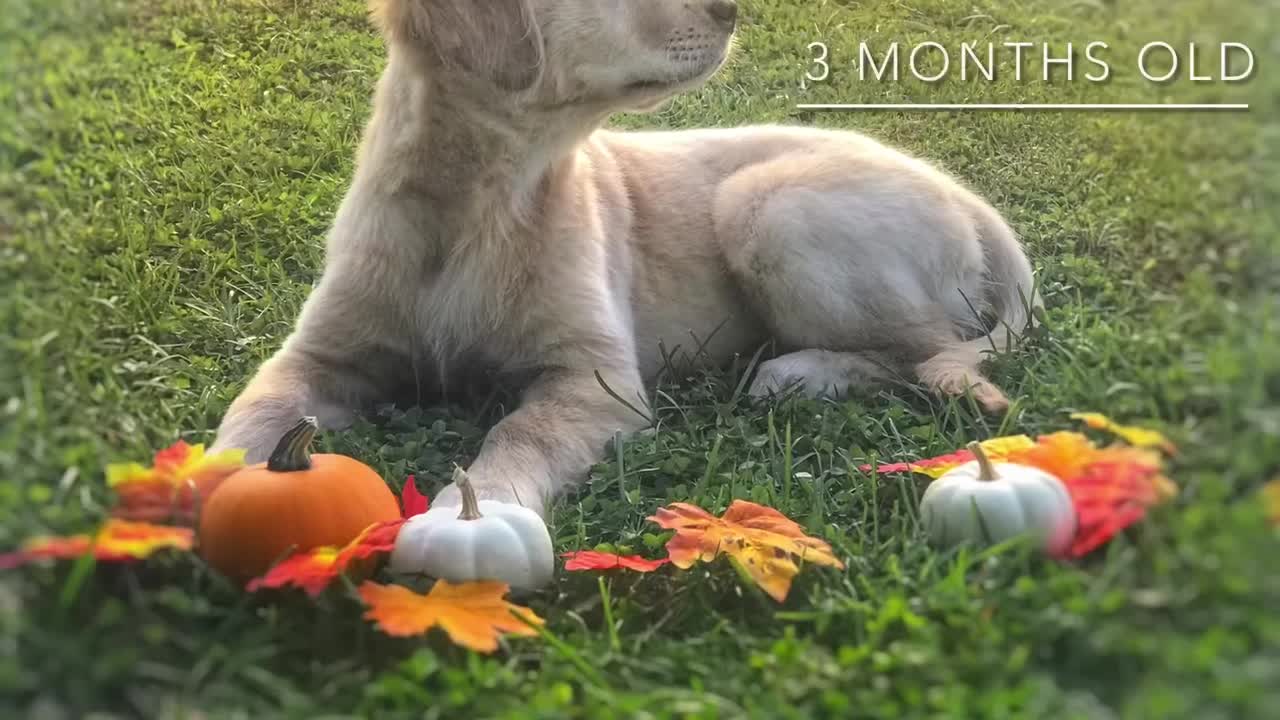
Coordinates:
[724,11]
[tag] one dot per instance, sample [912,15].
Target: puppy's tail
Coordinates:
[1010,296]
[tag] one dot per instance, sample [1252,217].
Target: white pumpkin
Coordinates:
[983,502]
[482,540]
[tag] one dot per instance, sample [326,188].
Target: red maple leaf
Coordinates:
[313,570]
[412,502]
[592,560]
[1109,496]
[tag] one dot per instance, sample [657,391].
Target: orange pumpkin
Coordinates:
[294,502]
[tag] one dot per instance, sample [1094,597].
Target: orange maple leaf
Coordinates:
[116,541]
[474,614]
[312,571]
[170,488]
[593,560]
[1061,454]
[763,542]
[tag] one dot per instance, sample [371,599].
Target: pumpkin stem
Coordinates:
[292,453]
[986,471]
[470,506]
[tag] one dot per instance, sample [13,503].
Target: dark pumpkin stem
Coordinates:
[470,506]
[293,454]
[986,471]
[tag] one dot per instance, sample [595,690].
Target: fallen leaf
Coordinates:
[474,614]
[1061,454]
[1110,496]
[1110,487]
[762,541]
[593,560]
[47,548]
[998,449]
[1136,436]
[312,571]
[179,475]
[116,541]
[412,502]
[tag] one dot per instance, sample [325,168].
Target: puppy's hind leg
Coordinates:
[857,276]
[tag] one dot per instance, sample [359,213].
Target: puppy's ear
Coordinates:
[497,39]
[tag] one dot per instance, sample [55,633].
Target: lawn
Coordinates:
[167,172]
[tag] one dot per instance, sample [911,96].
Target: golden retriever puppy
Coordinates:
[491,224]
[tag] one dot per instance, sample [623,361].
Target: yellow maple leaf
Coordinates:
[998,449]
[116,541]
[474,614]
[1132,434]
[763,542]
[139,540]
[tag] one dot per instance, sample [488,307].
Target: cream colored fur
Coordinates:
[491,224]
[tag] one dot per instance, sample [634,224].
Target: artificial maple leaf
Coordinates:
[997,449]
[761,540]
[116,541]
[412,502]
[170,488]
[312,571]
[1109,496]
[1111,488]
[1061,454]
[474,614]
[593,560]
[1136,436]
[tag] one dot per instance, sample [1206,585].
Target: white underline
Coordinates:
[1022,106]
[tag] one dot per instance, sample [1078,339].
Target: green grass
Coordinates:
[167,172]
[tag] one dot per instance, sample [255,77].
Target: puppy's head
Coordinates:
[617,54]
